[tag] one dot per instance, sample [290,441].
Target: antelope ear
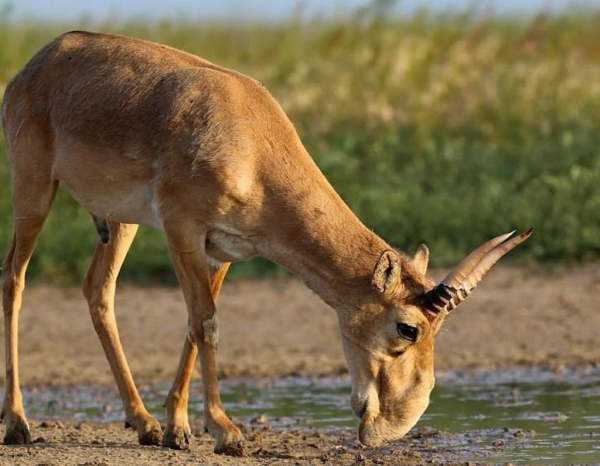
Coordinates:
[421,259]
[386,276]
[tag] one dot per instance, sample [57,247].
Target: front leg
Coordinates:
[178,434]
[187,249]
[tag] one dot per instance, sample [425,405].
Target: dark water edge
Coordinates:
[520,415]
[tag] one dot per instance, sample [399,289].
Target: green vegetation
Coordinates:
[447,129]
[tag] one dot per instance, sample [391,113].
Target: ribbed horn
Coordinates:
[464,268]
[463,279]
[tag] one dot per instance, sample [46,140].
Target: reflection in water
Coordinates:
[550,418]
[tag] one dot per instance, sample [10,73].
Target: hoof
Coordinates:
[154,436]
[148,429]
[177,439]
[234,449]
[17,433]
[229,438]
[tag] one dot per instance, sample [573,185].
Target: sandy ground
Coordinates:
[540,316]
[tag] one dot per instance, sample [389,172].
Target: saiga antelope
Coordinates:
[141,133]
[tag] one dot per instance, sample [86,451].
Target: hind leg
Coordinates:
[31,209]
[99,290]
[178,434]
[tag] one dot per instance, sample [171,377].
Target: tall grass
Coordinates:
[446,129]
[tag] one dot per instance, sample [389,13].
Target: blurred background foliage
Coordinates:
[439,128]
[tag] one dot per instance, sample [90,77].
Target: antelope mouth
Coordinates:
[377,431]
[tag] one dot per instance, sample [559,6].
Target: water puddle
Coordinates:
[517,416]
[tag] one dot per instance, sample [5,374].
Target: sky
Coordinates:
[268,10]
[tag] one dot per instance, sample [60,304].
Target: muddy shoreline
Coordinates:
[481,417]
[67,443]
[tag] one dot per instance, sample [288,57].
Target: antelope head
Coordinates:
[389,343]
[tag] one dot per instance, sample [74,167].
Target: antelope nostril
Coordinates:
[363,410]
[359,406]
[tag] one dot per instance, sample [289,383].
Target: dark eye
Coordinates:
[408,332]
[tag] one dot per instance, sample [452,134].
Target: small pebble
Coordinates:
[261,419]
[54,405]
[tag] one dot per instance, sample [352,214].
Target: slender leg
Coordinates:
[25,237]
[187,249]
[178,434]
[33,193]
[99,290]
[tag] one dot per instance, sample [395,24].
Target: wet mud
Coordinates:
[107,444]
[520,415]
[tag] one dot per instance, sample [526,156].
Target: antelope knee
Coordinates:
[211,331]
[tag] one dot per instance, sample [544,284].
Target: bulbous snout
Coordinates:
[390,395]
[379,429]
